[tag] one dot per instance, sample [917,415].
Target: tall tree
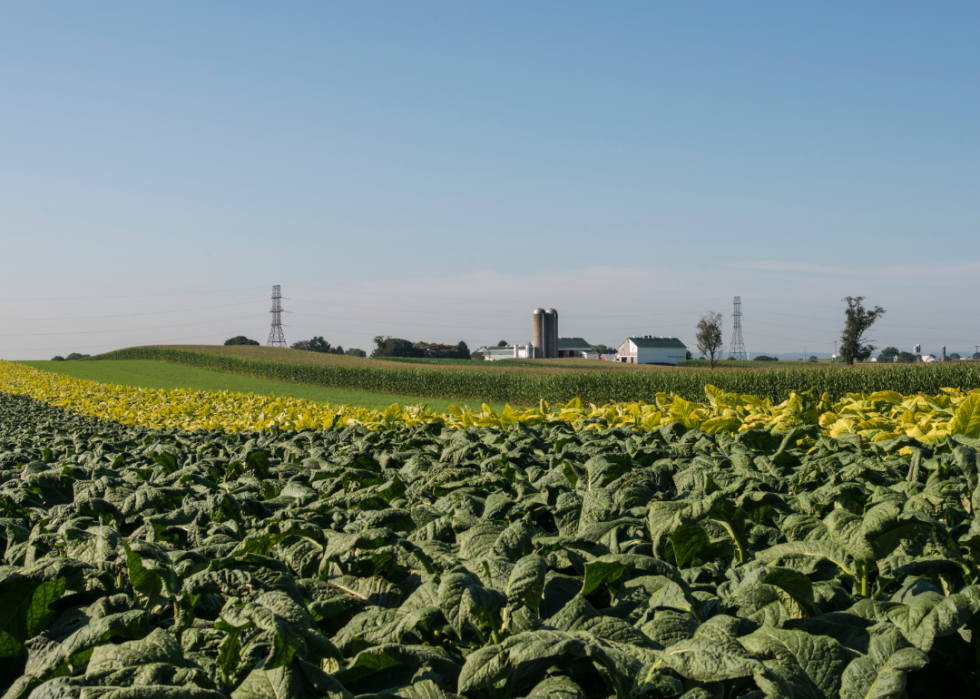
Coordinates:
[857,321]
[888,354]
[708,337]
[395,347]
[316,344]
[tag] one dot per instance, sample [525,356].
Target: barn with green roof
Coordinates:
[651,349]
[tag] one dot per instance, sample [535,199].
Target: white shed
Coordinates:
[650,349]
[492,354]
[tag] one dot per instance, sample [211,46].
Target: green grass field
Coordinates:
[151,374]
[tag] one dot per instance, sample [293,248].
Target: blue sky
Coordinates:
[437,170]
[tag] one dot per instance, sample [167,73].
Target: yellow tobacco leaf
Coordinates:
[721,424]
[967,419]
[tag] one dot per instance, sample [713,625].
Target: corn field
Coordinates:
[529,386]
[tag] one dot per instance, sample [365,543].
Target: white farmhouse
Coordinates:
[651,350]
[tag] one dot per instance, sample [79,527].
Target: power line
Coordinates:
[156,327]
[393,322]
[483,299]
[838,320]
[398,310]
[137,296]
[477,315]
[893,310]
[113,344]
[129,315]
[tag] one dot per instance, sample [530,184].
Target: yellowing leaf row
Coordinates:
[876,417]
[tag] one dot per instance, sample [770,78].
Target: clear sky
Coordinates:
[436,170]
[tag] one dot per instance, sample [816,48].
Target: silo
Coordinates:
[538,328]
[551,334]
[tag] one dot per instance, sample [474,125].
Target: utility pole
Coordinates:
[276,338]
[738,347]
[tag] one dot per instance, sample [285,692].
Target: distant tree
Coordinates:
[354,352]
[75,355]
[888,354]
[395,347]
[57,358]
[857,321]
[954,357]
[317,344]
[975,355]
[502,343]
[689,355]
[438,350]
[478,356]
[708,336]
[603,349]
[906,357]
[812,358]
[240,340]
[763,358]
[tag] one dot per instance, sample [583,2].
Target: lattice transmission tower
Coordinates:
[276,338]
[738,346]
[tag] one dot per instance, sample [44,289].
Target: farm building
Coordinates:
[492,354]
[573,347]
[650,349]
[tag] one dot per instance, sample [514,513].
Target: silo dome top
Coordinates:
[552,310]
[538,311]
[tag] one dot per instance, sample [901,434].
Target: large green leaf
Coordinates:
[881,674]
[296,680]
[812,664]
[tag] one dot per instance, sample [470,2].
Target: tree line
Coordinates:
[385,346]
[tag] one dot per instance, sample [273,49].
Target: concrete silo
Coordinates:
[551,334]
[539,333]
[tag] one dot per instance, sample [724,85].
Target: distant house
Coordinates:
[492,354]
[651,350]
[573,347]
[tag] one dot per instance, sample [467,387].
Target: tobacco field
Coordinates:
[874,417]
[416,561]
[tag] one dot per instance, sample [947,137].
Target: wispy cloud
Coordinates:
[905,271]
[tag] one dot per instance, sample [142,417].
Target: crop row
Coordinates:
[415,562]
[876,417]
[528,387]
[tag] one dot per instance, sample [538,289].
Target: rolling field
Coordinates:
[555,381]
[144,373]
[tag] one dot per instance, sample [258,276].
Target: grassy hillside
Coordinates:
[557,381]
[145,373]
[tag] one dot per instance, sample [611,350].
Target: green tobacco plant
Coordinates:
[420,562]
